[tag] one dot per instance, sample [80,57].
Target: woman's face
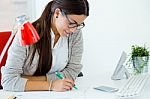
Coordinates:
[66,24]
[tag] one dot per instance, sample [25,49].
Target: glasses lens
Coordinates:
[74,25]
[80,26]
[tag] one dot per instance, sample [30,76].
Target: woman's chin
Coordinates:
[65,34]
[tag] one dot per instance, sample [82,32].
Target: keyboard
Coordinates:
[133,86]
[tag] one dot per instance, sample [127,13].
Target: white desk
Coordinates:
[85,90]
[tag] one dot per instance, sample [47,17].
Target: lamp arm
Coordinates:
[13,32]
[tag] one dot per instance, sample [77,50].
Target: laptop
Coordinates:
[120,71]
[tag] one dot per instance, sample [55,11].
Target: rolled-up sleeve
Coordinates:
[13,69]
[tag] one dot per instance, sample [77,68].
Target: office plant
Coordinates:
[139,59]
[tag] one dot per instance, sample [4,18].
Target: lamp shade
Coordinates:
[27,33]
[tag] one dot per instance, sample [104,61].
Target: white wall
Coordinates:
[35,8]
[9,10]
[114,26]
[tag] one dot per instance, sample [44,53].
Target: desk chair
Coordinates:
[80,74]
[4,36]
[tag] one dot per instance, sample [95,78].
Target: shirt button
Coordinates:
[66,61]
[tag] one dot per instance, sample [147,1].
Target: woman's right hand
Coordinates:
[62,85]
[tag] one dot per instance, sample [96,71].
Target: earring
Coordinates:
[56,16]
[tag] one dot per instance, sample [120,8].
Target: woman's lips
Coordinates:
[66,33]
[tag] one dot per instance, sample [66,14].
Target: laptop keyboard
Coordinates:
[133,86]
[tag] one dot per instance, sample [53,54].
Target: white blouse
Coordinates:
[59,53]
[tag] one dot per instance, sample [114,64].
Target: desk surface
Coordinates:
[85,90]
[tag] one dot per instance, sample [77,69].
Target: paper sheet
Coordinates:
[74,94]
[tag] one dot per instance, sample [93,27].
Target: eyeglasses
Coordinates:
[75,24]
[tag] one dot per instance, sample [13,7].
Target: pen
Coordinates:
[60,76]
[12,97]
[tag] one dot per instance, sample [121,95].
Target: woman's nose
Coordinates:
[73,29]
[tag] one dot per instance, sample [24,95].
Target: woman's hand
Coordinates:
[62,85]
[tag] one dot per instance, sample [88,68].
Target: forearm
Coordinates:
[35,78]
[36,85]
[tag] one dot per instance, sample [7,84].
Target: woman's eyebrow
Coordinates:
[73,20]
[76,21]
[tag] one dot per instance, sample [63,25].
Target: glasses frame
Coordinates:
[75,24]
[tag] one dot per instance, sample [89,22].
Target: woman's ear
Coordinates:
[57,12]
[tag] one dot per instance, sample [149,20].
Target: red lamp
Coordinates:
[27,34]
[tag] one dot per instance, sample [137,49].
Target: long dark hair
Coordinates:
[43,27]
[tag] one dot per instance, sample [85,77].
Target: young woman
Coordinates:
[59,49]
